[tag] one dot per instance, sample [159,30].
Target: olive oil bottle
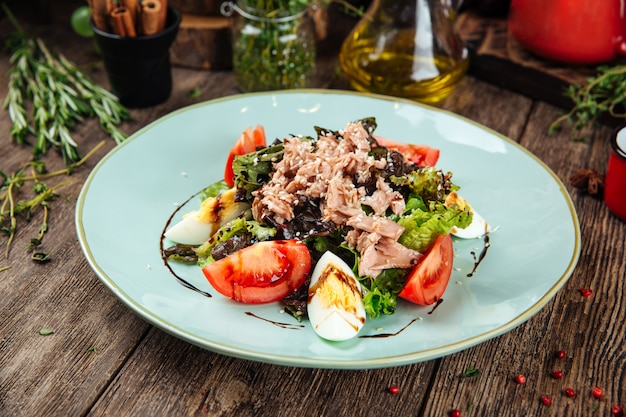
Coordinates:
[405,48]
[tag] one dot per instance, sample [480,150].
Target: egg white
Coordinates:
[477,228]
[335,306]
[191,230]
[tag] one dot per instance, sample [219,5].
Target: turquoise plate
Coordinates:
[132,192]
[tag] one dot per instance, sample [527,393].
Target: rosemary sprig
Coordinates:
[61,95]
[602,94]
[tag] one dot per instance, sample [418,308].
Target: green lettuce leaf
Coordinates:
[381,294]
[254,169]
[213,190]
[421,228]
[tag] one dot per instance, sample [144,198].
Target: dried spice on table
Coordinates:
[588,180]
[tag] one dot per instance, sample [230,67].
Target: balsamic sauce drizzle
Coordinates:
[477,260]
[483,253]
[437,304]
[382,335]
[164,258]
[276,323]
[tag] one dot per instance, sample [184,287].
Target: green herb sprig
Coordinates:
[470,372]
[12,208]
[61,95]
[600,95]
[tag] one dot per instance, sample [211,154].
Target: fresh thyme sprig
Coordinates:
[11,207]
[602,94]
[61,95]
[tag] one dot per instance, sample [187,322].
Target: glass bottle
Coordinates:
[406,48]
[272,48]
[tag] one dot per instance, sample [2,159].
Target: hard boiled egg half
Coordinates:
[197,227]
[477,228]
[335,305]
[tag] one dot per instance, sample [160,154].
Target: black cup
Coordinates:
[138,68]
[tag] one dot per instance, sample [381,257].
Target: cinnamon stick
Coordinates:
[133,8]
[150,16]
[122,22]
[100,12]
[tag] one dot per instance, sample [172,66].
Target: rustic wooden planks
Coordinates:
[136,369]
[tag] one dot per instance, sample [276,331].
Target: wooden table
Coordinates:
[102,359]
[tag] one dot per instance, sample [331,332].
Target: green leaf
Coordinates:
[195,93]
[470,372]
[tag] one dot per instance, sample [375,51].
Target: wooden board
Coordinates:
[198,7]
[203,42]
[496,57]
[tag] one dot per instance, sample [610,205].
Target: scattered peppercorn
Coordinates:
[546,400]
[569,392]
[597,392]
[520,379]
[617,411]
[557,374]
[560,354]
[455,413]
[394,389]
[585,292]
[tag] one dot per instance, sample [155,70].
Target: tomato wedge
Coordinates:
[428,280]
[262,273]
[249,141]
[421,155]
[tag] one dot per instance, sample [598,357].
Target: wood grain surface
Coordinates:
[103,360]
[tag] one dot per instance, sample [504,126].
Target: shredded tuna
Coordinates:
[383,198]
[330,170]
[387,253]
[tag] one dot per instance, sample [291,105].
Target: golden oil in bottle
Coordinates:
[405,48]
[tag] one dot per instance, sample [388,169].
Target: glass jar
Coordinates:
[406,48]
[272,49]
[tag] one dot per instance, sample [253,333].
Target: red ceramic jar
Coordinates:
[615,181]
[570,31]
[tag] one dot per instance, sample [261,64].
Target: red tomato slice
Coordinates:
[428,279]
[262,273]
[249,141]
[421,155]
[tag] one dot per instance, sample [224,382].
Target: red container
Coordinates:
[570,31]
[615,181]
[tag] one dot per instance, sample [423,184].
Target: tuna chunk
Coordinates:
[387,253]
[332,171]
